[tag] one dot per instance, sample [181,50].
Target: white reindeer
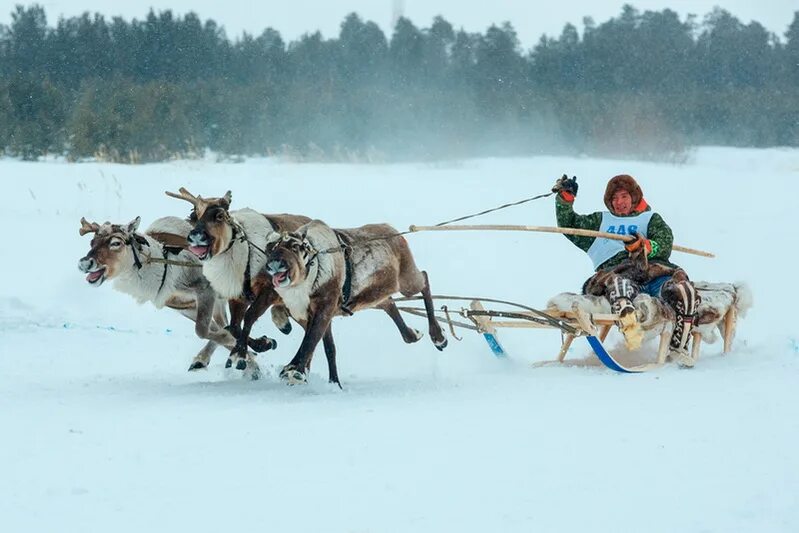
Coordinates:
[149,269]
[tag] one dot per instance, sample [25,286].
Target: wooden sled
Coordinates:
[590,317]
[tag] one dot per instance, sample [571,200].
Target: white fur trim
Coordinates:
[653,314]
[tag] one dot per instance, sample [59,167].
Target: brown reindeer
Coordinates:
[231,247]
[321,273]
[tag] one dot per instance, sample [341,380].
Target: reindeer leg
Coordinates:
[203,316]
[220,314]
[253,313]
[202,359]
[280,318]
[237,310]
[330,353]
[318,324]
[409,335]
[436,334]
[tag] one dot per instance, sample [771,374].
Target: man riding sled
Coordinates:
[626,269]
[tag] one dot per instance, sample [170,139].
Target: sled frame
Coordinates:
[572,324]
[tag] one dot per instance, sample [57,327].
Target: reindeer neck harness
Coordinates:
[135,242]
[165,251]
[346,289]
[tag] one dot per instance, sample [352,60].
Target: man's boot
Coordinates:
[682,296]
[621,293]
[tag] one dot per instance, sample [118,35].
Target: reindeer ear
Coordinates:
[134,225]
[228,198]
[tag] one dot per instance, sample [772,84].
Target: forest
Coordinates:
[642,84]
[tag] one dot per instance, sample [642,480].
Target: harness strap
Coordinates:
[247,286]
[346,290]
[236,230]
[240,234]
[165,252]
[133,241]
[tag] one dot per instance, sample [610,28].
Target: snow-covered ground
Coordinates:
[102,429]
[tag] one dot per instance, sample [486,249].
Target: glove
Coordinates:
[566,187]
[639,243]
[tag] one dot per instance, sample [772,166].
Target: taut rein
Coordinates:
[342,247]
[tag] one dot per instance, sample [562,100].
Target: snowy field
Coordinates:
[102,429]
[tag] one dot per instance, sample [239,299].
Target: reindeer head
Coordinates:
[213,227]
[289,259]
[111,249]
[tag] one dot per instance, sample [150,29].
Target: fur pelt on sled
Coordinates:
[655,315]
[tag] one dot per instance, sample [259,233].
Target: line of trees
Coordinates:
[644,84]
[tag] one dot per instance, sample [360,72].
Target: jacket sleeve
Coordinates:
[660,235]
[567,218]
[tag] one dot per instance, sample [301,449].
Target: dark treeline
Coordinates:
[642,84]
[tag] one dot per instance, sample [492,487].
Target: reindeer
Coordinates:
[231,247]
[317,283]
[138,266]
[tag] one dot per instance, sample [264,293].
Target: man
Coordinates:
[625,269]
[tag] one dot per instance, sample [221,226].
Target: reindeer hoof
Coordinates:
[292,376]
[415,336]
[441,345]
[682,358]
[263,344]
[229,362]
[241,364]
[285,330]
[197,365]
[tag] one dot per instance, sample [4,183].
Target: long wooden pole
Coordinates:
[550,229]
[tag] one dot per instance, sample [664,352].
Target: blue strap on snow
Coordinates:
[606,358]
[494,344]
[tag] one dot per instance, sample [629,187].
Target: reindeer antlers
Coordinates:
[196,200]
[88,227]
[184,195]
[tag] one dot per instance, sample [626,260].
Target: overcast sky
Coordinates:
[292,18]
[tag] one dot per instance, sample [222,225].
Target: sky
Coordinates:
[531,18]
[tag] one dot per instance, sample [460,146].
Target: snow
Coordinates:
[104,430]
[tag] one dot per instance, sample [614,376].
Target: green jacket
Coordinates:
[658,232]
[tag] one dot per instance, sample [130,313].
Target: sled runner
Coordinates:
[576,315]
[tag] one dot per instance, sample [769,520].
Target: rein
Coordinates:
[135,240]
[342,247]
[173,262]
[540,316]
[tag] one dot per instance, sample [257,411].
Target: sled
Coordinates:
[576,316]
